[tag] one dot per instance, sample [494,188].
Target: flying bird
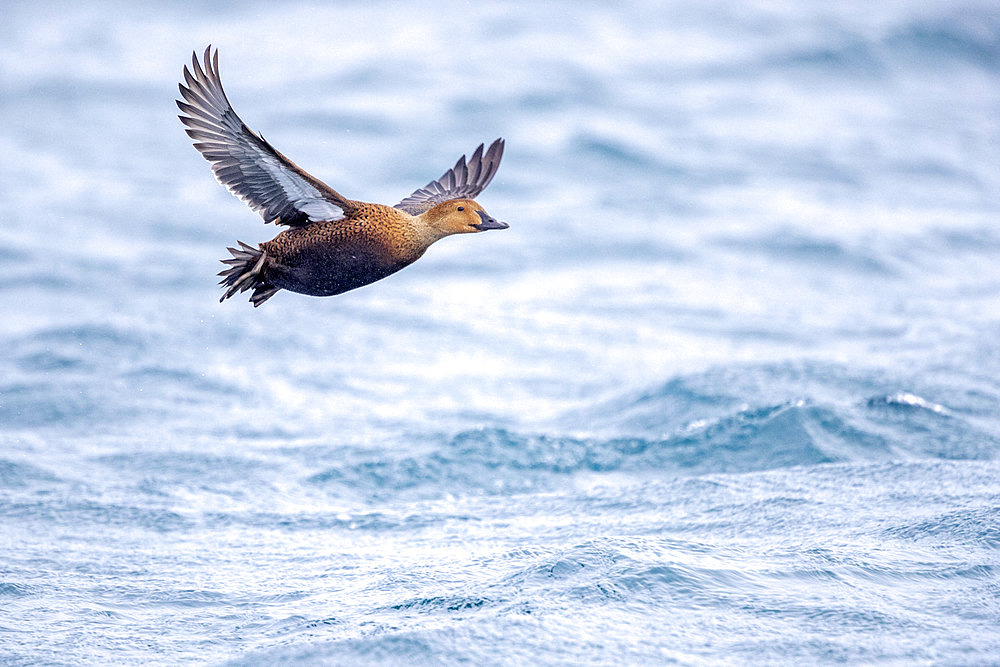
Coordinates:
[332,244]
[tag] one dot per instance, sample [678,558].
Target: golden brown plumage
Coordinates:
[333,244]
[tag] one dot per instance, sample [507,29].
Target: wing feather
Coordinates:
[243,161]
[465,179]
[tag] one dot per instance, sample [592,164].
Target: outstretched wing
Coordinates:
[251,168]
[462,180]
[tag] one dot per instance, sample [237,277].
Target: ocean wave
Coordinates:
[969,36]
[966,37]
[83,511]
[826,254]
[12,589]
[976,526]
[15,474]
[681,427]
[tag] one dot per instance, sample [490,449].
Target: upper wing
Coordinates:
[250,167]
[463,180]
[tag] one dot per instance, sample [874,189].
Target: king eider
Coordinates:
[332,244]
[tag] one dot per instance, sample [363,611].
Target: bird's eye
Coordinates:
[461,208]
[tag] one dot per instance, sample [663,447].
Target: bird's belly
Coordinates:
[322,270]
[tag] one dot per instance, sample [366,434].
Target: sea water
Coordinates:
[725,392]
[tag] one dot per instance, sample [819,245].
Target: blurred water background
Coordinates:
[725,392]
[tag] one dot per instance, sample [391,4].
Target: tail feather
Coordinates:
[262,294]
[248,268]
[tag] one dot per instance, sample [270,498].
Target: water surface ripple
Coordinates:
[725,392]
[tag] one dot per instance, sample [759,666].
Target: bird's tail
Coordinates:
[248,269]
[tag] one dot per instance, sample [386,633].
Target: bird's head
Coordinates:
[460,216]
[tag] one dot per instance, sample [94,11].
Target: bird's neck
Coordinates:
[425,232]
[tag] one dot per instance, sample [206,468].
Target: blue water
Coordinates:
[727,390]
